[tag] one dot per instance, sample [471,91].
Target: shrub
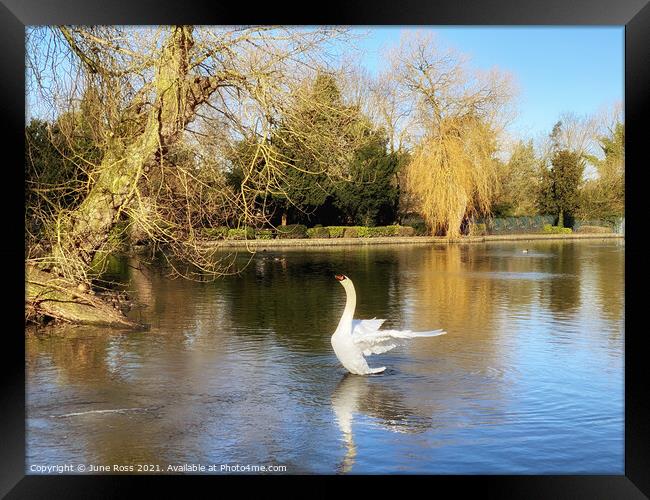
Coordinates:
[362,231]
[556,229]
[594,229]
[392,230]
[217,233]
[405,231]
[247,233]
[291,231]
[365,231]
[264,234]
[421,229]
[382,231]
[372,232]
[318,232]
[378,231]
[477,230]
[335,231]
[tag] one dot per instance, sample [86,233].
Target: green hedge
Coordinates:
[318,232]
[405,231]
[369,232]
[292,231]
[380,231]
[264,234]
[336,231]
[219,233]
[247,233]
[547,228]
[517,225]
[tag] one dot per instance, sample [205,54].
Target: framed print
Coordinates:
[385,242]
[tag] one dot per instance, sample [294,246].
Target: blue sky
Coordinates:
[556,69]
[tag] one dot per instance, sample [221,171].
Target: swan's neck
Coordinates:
[350,304]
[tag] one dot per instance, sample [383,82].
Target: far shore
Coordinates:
[397,240]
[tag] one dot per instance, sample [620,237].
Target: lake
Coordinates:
[240,371]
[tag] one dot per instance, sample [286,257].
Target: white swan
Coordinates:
[354,339]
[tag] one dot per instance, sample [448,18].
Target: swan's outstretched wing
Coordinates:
[371,340]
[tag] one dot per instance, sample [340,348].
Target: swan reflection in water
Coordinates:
[362,395]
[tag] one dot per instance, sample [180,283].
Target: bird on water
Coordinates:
[354,339]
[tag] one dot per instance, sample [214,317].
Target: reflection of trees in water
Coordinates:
[78,353]
[609,267]
[447,295]
[603,278]
[357,395]
[90,374]
[187,311]
[298,299]
[100,369]
[561,294]
[141,278]
[298,302]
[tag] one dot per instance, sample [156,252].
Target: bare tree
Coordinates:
[393,110]
[578,133]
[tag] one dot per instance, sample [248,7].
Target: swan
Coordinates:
[354,339]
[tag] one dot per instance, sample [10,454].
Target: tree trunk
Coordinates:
[47,296]
[84,231]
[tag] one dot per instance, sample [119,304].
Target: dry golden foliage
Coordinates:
[453,174]
[459,114]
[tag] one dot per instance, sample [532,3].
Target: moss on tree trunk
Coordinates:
[84,231]
[51,297]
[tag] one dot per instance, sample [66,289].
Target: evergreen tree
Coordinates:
[518,178]
[371,196]
[317,186]
[307,184]
[559,193]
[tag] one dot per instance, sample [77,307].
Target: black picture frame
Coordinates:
[633,14]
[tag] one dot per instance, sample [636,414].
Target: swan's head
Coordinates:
[344,280]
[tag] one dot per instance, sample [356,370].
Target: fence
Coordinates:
[616,225]
[516,225]
[535,224]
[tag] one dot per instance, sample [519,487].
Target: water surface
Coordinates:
[528,380]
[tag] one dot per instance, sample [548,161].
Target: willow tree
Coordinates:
[146,95]
[458,116]
[453,174]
